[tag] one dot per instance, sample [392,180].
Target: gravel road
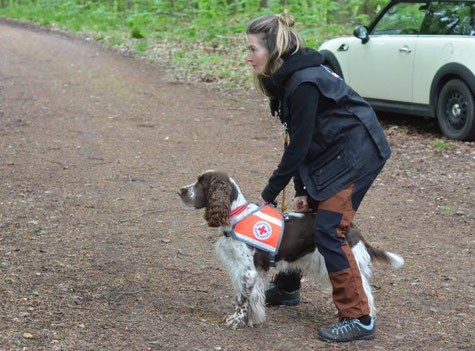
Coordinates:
[98,253]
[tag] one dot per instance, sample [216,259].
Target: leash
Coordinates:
[285,134]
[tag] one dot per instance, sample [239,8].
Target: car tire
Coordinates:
[456,111]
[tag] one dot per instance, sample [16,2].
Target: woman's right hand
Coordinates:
[301,203]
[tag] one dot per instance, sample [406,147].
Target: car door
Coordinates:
[382,68]
[447,37]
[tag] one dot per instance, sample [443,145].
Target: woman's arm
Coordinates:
[303,109]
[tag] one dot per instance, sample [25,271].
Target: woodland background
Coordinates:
[202,39]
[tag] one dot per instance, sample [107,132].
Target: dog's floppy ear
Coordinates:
[218,202]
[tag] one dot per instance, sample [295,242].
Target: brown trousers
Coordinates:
[333,218]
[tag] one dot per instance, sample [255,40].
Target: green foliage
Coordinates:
[114,40]
[142,46]
[137,33]
[206,35]
[439,144]
[185,19]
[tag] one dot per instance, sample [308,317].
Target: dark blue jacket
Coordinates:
[347,140]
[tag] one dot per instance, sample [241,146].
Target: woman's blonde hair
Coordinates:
[280,40]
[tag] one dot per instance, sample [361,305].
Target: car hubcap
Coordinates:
[456,110]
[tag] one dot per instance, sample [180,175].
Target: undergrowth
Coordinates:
[202,39]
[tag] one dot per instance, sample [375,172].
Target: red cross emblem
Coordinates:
[262,230]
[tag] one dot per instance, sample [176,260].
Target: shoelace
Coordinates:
[345,325]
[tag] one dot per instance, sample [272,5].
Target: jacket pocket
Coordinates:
[329,167]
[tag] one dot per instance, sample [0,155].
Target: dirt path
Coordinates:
[97,252]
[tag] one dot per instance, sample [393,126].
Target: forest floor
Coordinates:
[97,252]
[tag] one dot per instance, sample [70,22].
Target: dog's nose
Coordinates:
[182,191]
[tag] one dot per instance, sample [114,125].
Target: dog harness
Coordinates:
[262,229]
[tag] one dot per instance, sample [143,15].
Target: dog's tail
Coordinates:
[354,236]
[395,260]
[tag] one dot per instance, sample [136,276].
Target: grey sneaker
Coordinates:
[348,329]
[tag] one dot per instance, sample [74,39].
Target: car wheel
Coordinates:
[456,111]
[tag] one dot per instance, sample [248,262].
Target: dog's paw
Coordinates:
[236,320]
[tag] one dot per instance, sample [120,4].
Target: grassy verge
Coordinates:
[197,45]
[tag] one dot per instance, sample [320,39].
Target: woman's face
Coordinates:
[257,53]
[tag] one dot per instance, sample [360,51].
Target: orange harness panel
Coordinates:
[262,229]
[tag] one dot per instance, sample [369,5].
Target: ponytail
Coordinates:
[284,34]
[280,40]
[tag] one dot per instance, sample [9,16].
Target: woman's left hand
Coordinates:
[261,201]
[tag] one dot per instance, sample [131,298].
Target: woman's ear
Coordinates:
[219,203]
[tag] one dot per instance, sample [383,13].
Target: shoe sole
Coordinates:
[365,337]
[284,303]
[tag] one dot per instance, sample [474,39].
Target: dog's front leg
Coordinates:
[240,317]
[250,302]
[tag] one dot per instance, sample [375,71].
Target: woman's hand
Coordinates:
[301,203]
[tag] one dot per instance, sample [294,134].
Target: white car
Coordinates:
[417,57]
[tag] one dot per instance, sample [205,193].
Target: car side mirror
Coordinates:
[361,32]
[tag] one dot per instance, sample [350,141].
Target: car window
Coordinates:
[450,18]
[403,18]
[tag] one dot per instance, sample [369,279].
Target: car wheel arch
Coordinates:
[332,61]
[445,74]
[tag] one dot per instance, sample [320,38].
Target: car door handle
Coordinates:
[405,49]
[344,47]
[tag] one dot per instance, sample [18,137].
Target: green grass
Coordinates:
[137,33]
[114,40]
[439,144]
[141,46]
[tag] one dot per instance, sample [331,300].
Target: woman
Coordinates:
[337,148]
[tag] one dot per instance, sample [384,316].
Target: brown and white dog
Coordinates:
[247,266]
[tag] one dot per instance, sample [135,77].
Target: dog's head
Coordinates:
[214,191]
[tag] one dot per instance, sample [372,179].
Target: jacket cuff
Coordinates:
[268,195]
[299,187]
[301,192]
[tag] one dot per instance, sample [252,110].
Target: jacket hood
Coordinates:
[302,59]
